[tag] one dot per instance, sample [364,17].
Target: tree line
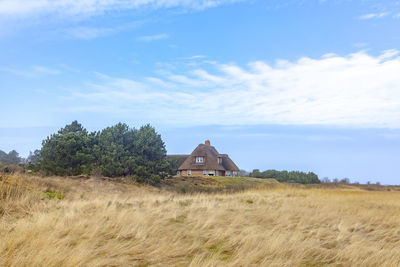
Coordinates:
[118,151]
[10,158]
[287,176]
[114,151]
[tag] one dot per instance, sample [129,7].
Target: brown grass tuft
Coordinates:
[102,222]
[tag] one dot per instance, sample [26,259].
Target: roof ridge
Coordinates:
[211,154]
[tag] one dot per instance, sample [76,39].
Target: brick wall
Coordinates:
[200,173]
[194,172]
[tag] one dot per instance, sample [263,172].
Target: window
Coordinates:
[204,173]
[178,173]
[219,160]
[189,172]
[227,173]
[199,159]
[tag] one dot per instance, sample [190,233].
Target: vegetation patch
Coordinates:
[53,195]
[287,176]
[115,151]
[214,184]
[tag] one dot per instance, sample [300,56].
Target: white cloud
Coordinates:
[23,8]
[194,57]
[34,71]
[374,15]
[354,90]
[45,70]
[88,33]
[149,38]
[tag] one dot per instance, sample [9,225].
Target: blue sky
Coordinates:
[297,85]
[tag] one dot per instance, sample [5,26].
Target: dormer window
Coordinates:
[219,160]
[199,159]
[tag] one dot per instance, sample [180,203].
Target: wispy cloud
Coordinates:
[194,57]
[25,8]
[45,70]
[31,72]
[89,33]
[358,89]
[374,15]
[156,37]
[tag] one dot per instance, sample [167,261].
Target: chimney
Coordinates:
[207,142]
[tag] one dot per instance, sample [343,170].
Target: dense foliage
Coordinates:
[121,151]
[68,152]
[173,164]
[288,177]
[114,151]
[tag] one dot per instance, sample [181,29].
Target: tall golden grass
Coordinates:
[103,223]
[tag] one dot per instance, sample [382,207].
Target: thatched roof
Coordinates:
[228,164]
[211,156]
[181,158]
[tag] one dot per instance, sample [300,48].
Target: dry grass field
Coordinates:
[96,222]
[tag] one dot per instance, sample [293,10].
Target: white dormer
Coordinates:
[199,159]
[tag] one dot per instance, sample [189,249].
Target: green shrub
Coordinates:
[53,195]
[115,151]
[287,177]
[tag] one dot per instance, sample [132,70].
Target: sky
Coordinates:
[288,85]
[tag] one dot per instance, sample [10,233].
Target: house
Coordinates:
[206,161]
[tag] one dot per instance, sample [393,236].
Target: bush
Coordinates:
[68,152]
[288,177]
[9,169]
[114,151]
[53,195]
[173,164]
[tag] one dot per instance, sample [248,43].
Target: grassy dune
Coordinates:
[97,222]
[213,184]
